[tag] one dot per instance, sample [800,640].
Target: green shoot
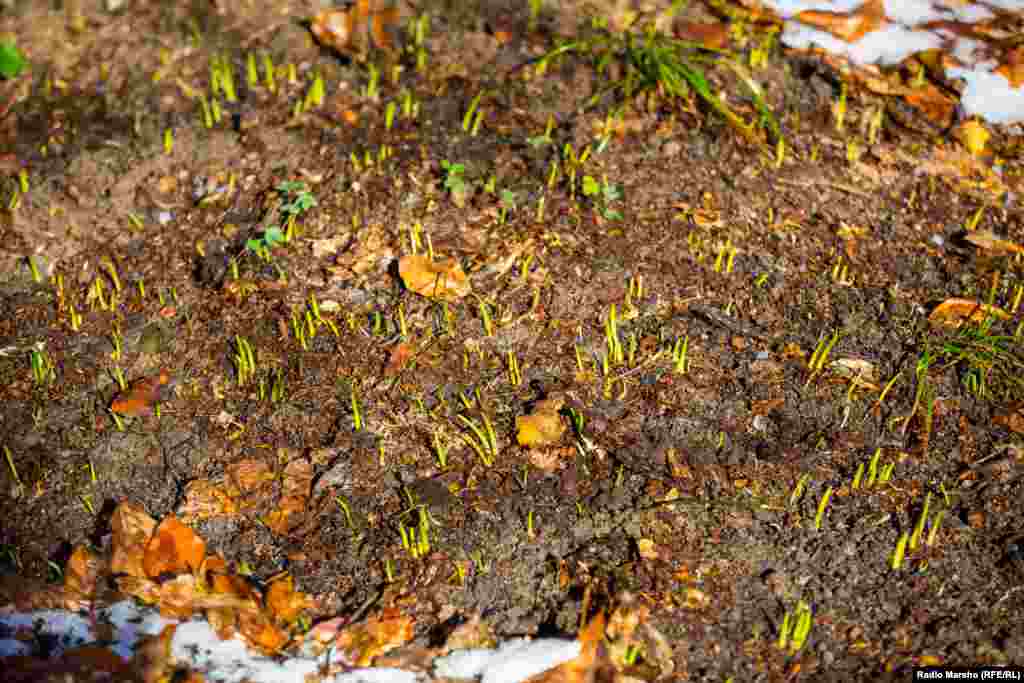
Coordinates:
[483,441]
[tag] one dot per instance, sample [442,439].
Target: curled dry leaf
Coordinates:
[351,29]
[438,280]
[284,602]
[131,528]
[249,476]
[204,499]
[955,312]
[81,573]
[380,633]
[257,629]
[542,427]
[849,26]
[174,549]
[143,395]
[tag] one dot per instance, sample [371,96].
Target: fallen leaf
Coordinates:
[437,280]
[711,35]
[131,528]
[248,476]
[1012,68]
[284,602]
[174,549]
[542,427]
[380,633]
[954,312]
[204,499]
[256,627]
[353,29]
[848,26]
[1012,419]
[143,395]
[179,597]
[399,356]
[81,573]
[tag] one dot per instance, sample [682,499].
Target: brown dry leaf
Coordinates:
[139,588]
[249,476]
[152,658]
[351,30]
[712,35]
[297,478]
[289,514]
[329,246]
[143,395]
[438,280]
[131,528]
[180,597]
[954,312]
[257,629]
[1012,68]
[848,26]
[204,499]
[284,602]
[933,102]
[973,136]
[1012,419]
[81,573]
[986,239]
[174,549]
[380,633]
[542,427]
[400,355]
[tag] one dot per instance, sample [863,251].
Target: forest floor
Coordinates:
[743,400]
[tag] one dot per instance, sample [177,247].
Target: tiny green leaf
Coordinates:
[12,62]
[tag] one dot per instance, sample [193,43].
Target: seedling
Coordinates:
[10,464]
[483,441]
[602,193]
[822,506]
[795,628]
[12,62]
[454,182]
[43,371]
[508,203]
[245,360]
[680,359]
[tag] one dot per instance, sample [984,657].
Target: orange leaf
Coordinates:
[130,528]
[851,26]
[203,499]
[174,549]
[438,280]
[1012,69]
[249,475]
[954,312]
[284,602]
[142,395]
[379,634]
[179,597]
[542,427]
[400,355]
[81,572]
[256,628]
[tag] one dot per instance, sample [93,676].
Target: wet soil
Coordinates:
[691,484]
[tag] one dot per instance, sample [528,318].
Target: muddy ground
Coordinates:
[800,289]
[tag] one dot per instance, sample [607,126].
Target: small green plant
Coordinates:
[297,200]
[12,62]
[659,65]
[43,370]
[795,628]
[455,182]
[602,194]
[484,441]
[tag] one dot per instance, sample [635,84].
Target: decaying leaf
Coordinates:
[399,356]
[352,30]
[380,633]
[204,499]
[542,427]
[81,573]
[955,312]
[438,280]
[174,549]
[260,632]
[143,395]
[284,602]
[131,528]
[848,26]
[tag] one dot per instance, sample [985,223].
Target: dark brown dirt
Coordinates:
[680,488]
